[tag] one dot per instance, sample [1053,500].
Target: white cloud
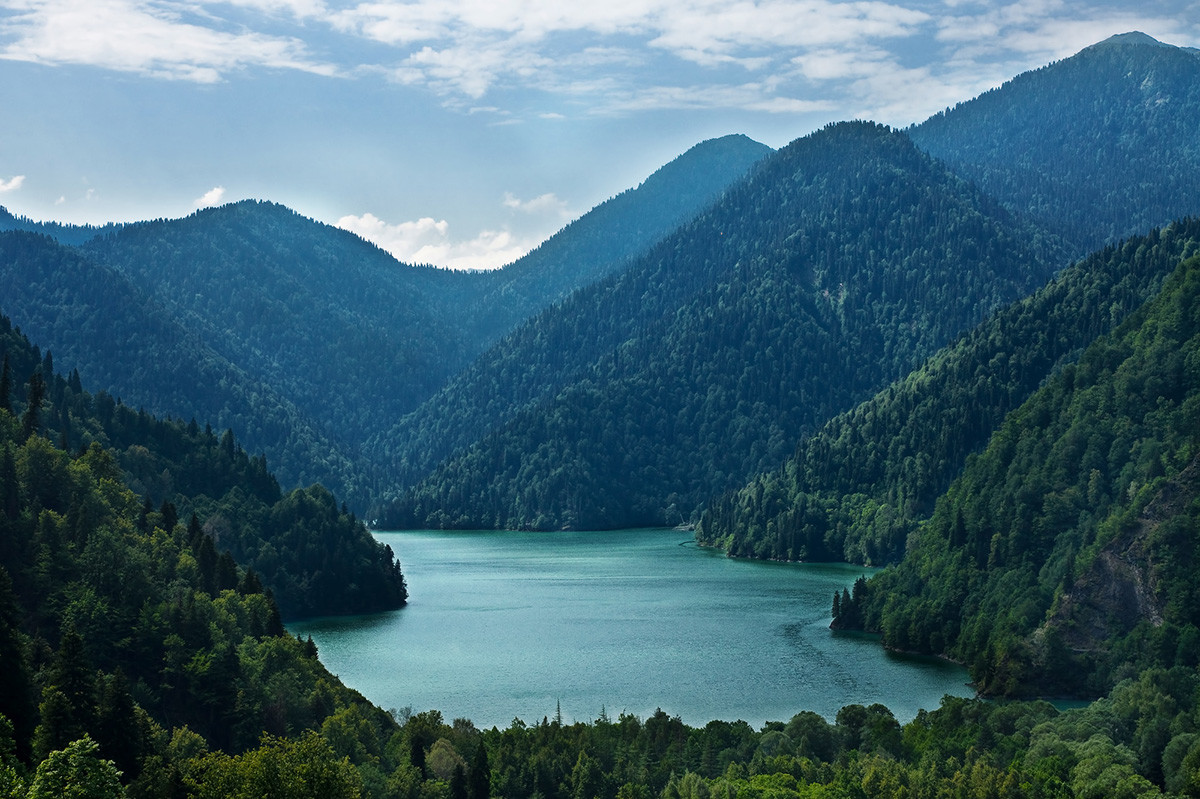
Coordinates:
[548,205]
[12,184]
[210,198]
[595,58]
[426,241]
[141,36]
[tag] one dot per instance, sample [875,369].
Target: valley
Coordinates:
[964,356]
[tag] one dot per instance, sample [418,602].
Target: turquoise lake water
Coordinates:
[504,625]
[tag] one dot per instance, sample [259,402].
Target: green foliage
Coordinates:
[857,488]
[314,555]
[305,768]
[76,772]
[1072,143]
[303,338]
[638,398]
[1019,571]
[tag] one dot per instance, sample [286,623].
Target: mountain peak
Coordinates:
[1135,38]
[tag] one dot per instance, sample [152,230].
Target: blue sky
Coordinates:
[463,132]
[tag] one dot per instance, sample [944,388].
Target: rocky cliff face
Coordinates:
[1120,589]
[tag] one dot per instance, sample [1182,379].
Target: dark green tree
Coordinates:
[34,396]
[480,777]
[117,730]
[17,701]
[68,708]
[5,386]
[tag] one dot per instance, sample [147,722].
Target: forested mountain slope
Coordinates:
[858,487]
[120,337]
[126,648]
[301,337]
[317,559]
[704,361]
[351,336]
[1097,147]
[607,237]
[64,234]
[1062,559]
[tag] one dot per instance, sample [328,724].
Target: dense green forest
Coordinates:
[131,641]
[1040,474]
[628,417]
[1074,144]
[120,338]
[645,394]
[857,488]
[303,338]
[1062,559]
[315,556]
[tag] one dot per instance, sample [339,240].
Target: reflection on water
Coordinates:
[509,625]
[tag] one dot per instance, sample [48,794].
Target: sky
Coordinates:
[464,132]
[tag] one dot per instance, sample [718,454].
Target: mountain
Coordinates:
[65,234]
[860,486]
[1091,149]
[1097,147]
[125,639]
[638,397]
[303,338]
[315,558]
[348,334]
[120,337]
[1061,559]
[608,237]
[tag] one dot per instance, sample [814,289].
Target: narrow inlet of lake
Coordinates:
[504,625]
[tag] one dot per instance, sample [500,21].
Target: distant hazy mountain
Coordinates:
[1098,146]
[606,238]
[119,336]
[64,234]
[838,264]
[295,313]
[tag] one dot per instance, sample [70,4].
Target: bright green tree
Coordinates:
[77,772]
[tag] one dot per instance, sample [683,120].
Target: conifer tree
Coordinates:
[479,785]
[117,729]
[5,386]
[68,708]
[10,489]
[17,698]
[35,394]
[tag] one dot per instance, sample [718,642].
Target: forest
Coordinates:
[970,350]
[858,487]
[695,367]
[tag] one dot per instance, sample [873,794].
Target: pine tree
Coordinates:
[117,729]
[10,489]
[35,394]
[17,699]
[68,708]
[5,386]
[479,783]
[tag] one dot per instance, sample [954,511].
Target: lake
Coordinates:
[504,625]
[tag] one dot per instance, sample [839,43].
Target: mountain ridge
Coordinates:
[854,210]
